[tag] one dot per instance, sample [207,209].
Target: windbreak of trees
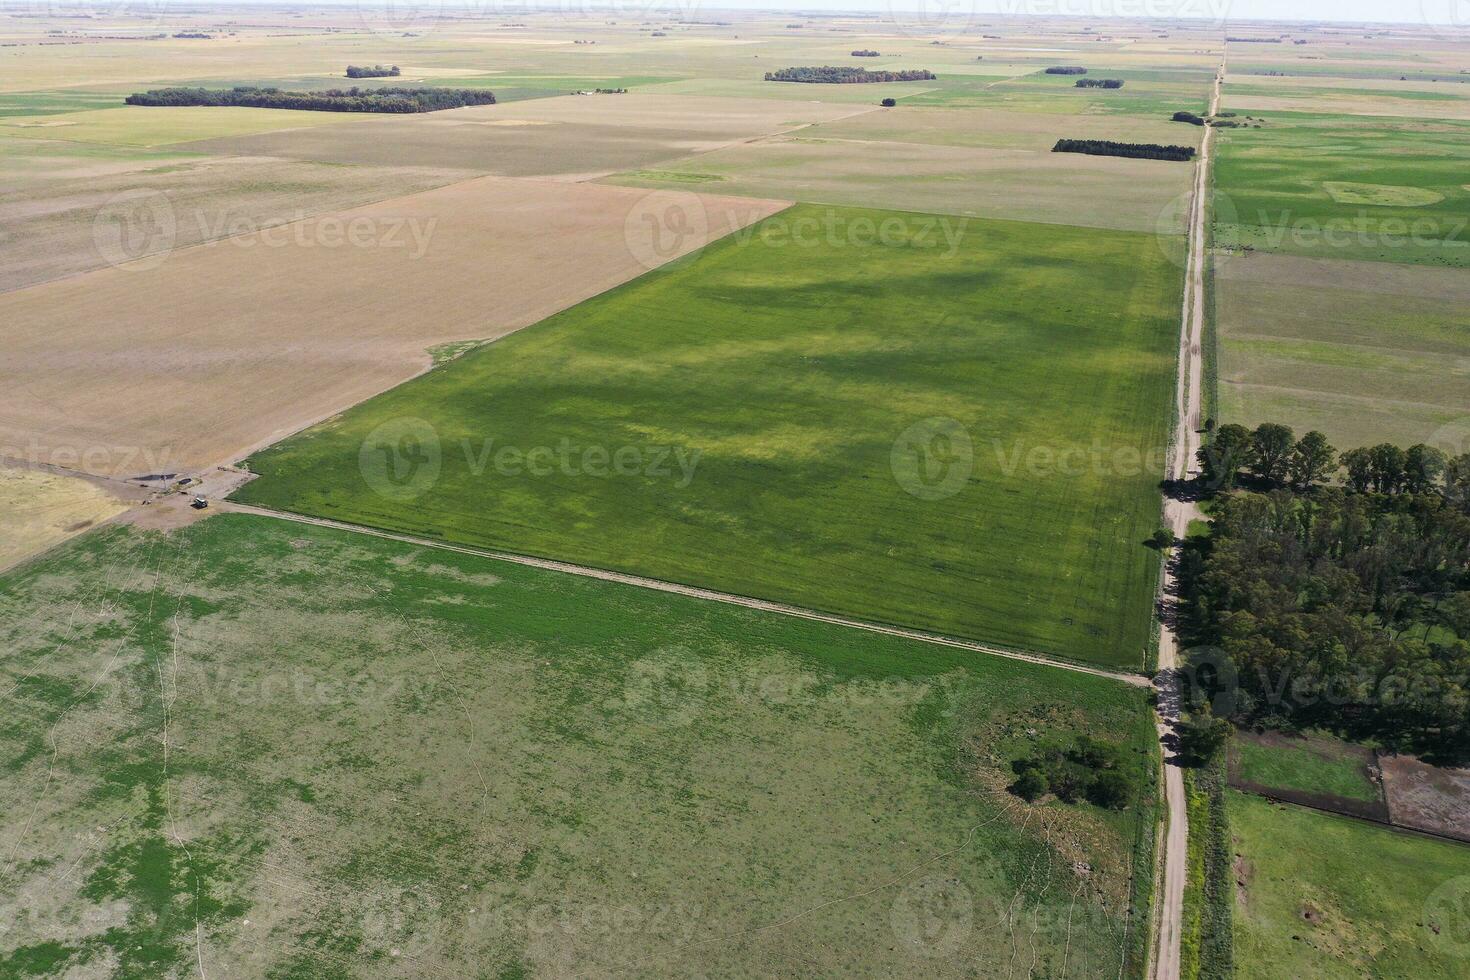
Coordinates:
[847,75]
[1138,151]
[1340,607]
[328,100]
[1099,83]
[374,71]
[1066,70]
[865,53]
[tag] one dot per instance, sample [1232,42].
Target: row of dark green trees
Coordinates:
[1099,83]
[328,100]
[373,71]
[1140,151]
[847,75]
[1335,592]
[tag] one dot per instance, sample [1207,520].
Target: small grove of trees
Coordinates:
[1273,457]
[328,100]
[1091,770]
[195,35]
[888,103]
[1142,151]
[847,75]
[1189,117]
[865,53]
[1099,83]
[1066,70]
[374,71]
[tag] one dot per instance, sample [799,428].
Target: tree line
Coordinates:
[328,100]
[865,53]
[1099,83]
[1066,70]
[1342,606]
[1141,151]
[373,71]
[847,75]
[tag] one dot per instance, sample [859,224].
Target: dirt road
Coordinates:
[1177,515]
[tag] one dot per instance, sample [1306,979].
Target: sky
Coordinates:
[1348,11]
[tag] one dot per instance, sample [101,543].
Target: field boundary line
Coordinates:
[694,592]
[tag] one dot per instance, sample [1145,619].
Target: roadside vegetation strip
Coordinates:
[1328,896]
[354,99]
[868,413]
[330,800]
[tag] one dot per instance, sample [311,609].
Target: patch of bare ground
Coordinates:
[1425,797]
[53,225]
[194,357]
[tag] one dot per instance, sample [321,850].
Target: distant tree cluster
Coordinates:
[864,53]
[1254,40]
[195,35]
[847,75]
[1092,770]
[888,103]
[374,71]
[1344,607]
[1139,151]
[1099,83]
[328,100]
[1189,117]
[1066,70]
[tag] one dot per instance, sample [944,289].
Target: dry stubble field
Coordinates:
[213,350]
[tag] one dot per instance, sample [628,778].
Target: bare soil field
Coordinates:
[193,357]
[43,509]
[53,226]
[1363,351]
[566,136]
[1425,797]
[1021,184]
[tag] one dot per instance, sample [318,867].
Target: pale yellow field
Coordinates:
[136,125]
[192,357]
[42,509]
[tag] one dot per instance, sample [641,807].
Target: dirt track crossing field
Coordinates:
[181,359]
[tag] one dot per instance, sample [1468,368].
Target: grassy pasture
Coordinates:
[1143,93]
[793,367]
[1366,352]
[258,748]
[1329,897]
[1274,188]
[1312,765]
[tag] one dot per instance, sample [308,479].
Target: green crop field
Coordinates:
[1315,184]
[842,409]
[1328,897]
[252,747]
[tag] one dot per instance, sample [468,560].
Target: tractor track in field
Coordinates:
[659,585]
